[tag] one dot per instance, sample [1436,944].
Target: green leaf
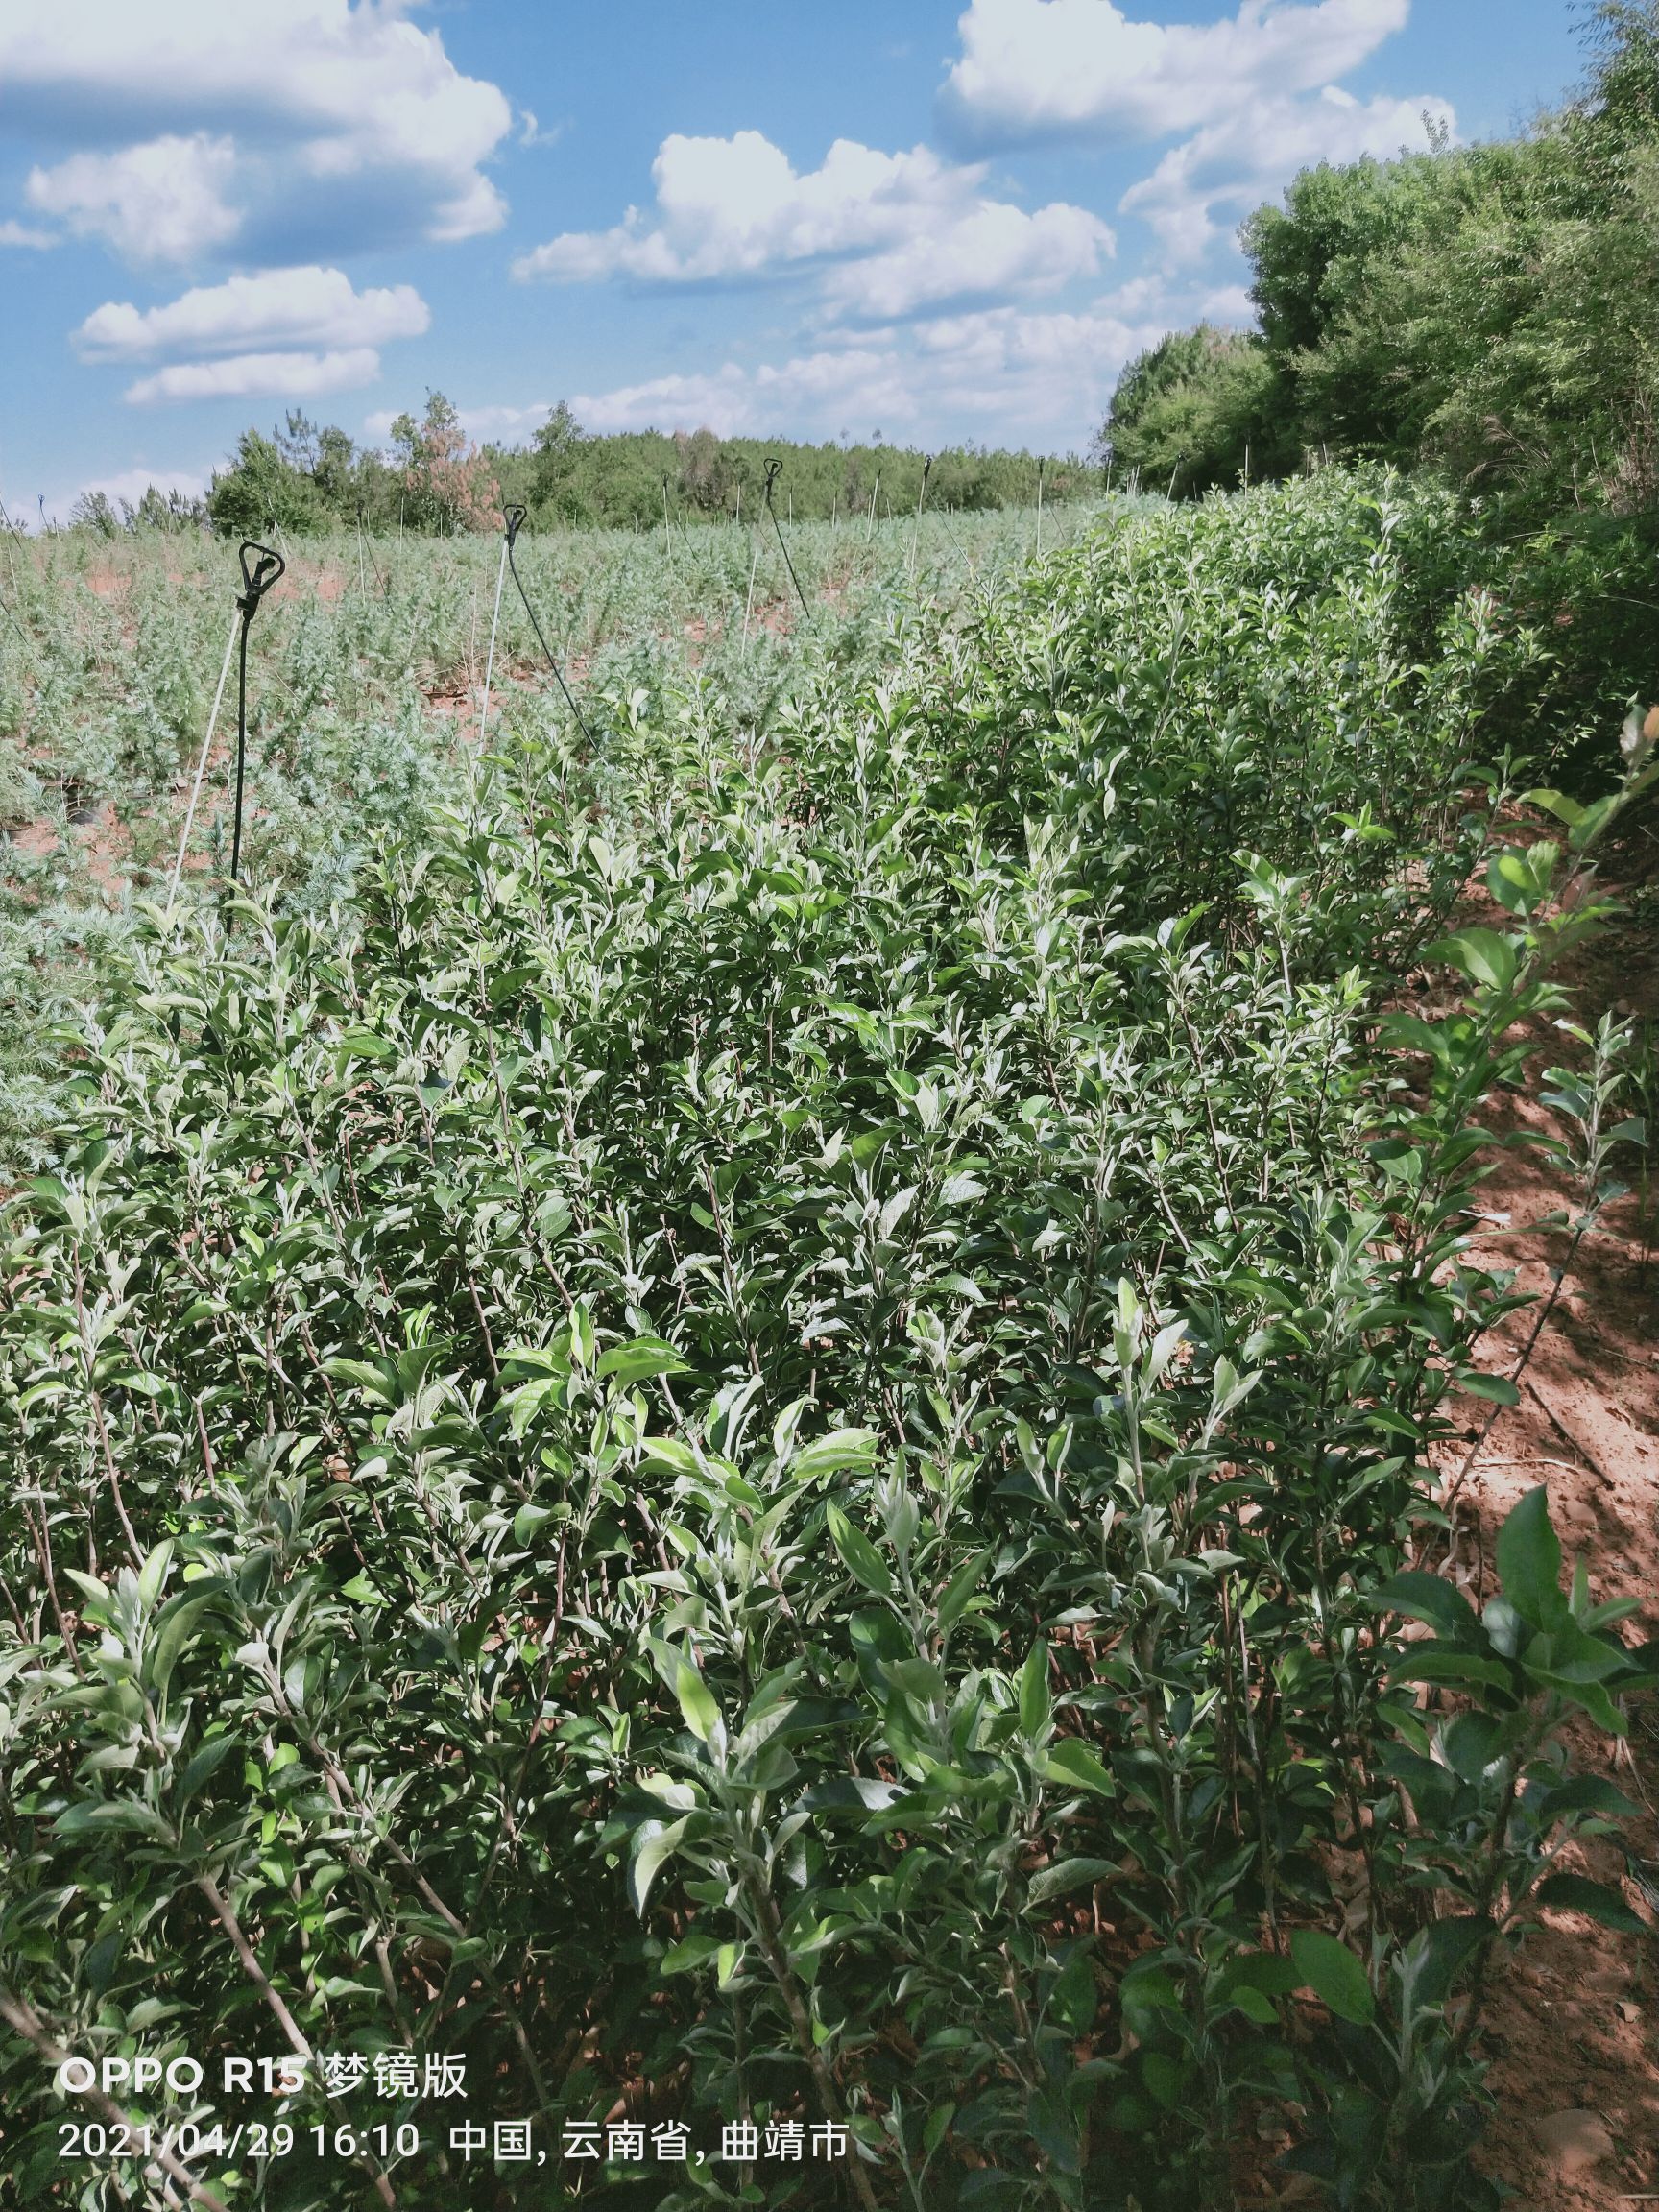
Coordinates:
[153,1574]
[960,1588]
[1269,1972]
[1427,1597]
[1497,1389]
[1482,955]
[1589,1793]
[1036,1705]
[1597,1900]
[1073,1766]
[653,1842]
[1529,1561]
[123,1814]
[1442,1662]
[938,2126]
[696,1704]
[1564,809]
[1066,1875]
[645,1357]
[1335,1976]
[528,1520]
[858,1555]
[842,1451]
[174,1629]
[202,1763]
[691,1952]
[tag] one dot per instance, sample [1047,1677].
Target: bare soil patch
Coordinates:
[1573,2022]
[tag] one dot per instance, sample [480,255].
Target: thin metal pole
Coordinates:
[749,599]
[241,744]
[201,763]
[514,520]
[490,657]
[773,467]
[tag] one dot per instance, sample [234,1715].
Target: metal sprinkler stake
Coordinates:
[256,582]
[774,469]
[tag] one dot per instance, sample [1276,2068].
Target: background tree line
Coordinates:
[1491,311]
[433,479]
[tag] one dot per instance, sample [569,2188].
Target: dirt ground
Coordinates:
[1574,2028]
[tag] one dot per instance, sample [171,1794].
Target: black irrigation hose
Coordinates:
[256,582]
[514,518]
[774,469]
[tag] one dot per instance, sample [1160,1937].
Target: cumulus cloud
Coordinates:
[132,484]
[856,383]
[499,424]
[123,485]
[1036,69]
[161,202]
[280,307]
[26,235]
[1005,373]
[318,119]
[890,234]
[248,375]
[1233,165]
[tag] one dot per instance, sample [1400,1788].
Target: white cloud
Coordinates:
[890,233]
[161,202]
[1004,373]
[1034,69]
[531,133]
[499,424]
[327,120]
[23,234]
[291,308]
[1231,166]
[122,484]
[246,375]
[857,384]
[132,484]
[992,251]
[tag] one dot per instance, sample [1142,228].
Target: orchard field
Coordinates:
[745,1424]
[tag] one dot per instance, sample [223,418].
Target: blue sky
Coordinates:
[938,221]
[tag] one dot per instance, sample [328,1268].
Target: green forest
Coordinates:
[745,1426]
[304,479]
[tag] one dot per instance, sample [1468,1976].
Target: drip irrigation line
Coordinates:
[774,469]
[256,582]
[514,520]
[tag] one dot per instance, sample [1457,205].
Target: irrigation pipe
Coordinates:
[490,657]
[774,469]
[256,581]
[515,517]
